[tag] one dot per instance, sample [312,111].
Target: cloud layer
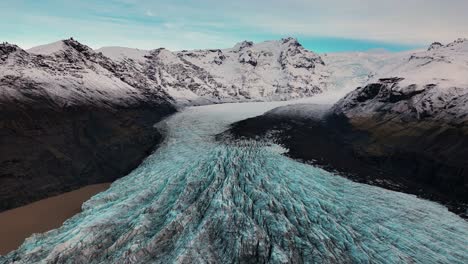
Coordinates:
[188,24]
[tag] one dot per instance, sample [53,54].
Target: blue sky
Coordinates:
[322,26]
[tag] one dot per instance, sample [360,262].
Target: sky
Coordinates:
[321,26]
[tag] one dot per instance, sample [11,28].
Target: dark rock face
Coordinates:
[385,91]
[370,92]
[249,58]
[245,44]
[425,158]
[435,45]
[6,49]
[46,151]
[294,57]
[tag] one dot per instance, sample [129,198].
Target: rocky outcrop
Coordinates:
[435,45]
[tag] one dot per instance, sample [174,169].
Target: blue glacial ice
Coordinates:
[196,200]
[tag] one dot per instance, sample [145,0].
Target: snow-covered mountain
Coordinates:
[67,73]
[70,117]
[349,70]
[425,84]
[271,70]
[70,72]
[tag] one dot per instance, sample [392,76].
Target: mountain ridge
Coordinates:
[270,70]
[241,73]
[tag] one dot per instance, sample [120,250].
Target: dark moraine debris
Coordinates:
[45,152]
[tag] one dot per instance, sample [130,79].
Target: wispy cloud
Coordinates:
[149,13]
[186,24]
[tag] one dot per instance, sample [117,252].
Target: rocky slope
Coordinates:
[271,70]
[406,129]
[70,118]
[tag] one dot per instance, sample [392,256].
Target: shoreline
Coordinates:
[41,216]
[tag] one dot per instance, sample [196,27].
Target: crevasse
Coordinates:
[196,200]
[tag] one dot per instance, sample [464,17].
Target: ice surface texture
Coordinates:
[196,200]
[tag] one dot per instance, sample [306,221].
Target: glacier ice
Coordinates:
[197,200]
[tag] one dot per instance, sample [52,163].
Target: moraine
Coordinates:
[197,200]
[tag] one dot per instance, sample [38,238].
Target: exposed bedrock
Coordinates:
[426,158]
[47,151]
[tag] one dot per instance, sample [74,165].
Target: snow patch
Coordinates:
[121,53]
[48,49]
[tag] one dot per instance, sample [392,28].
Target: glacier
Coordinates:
[199,200]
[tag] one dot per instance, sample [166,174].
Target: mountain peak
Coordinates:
[457,42]
[7,48]
[283,43]
[77,45]
[461,40]
[291,41]
[59,46]
[47,49]
[435,45]
[244,44]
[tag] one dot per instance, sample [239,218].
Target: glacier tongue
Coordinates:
[196,200]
